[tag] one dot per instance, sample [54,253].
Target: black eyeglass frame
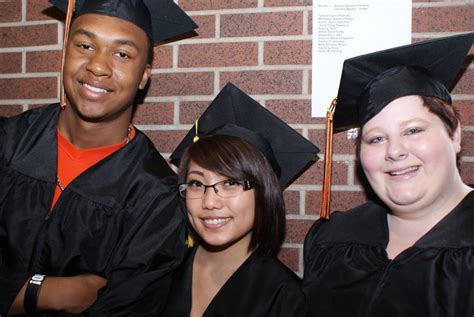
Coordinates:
[246,185]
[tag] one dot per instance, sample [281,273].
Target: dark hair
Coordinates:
[442,109]
[149,50]
[233,157]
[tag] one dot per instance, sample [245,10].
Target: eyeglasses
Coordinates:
[227,188]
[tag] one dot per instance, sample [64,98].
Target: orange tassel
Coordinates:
[326,191]
[67,26]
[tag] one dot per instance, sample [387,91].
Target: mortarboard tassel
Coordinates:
[196,136]
[190,241]
[326,191]
[70,10]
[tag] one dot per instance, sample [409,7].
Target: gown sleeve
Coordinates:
[139,277]
[289,302]
[10,281]
[310,240]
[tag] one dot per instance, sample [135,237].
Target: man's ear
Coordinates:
[145,76]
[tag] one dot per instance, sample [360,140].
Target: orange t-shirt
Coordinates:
[72,161]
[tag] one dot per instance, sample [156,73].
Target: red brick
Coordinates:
[10,11]
[340,200]
[189,111]
[207,26]
[154,113]
[293,111]
[179,84]
[466,111]
[314,175]
[467,172]
[465,84]
[262,24]
[292,201]
[467,143]
[290,257]
[285,3]
[287,53]
[43,61]
[310,22]
[195,5]
[10,110]
[32,35]
[296,230]
[310,82]
[307,177]
[265,82]
[442,19]
[163,56]
[341,145]
[28,88]
[359,176]
[10,63]
[166,141]
[34,106]
[218,55]
[42,10]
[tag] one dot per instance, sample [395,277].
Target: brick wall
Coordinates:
[263,46]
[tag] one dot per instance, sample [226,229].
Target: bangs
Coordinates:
[230,159]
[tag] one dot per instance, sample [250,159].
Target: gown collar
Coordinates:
[367,225]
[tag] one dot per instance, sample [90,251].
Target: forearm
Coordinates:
[70,294]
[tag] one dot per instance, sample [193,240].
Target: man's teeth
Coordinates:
[95,89]
[215,221]
[410,169]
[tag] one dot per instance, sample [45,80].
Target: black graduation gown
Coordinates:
[347,271]
[120,219]
[261,286]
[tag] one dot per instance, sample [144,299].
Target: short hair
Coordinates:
[150,46]
[440,108]
[235,158]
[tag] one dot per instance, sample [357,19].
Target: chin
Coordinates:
[402,199]
[217,245]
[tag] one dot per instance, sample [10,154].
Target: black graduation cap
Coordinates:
[370,82]
[160,19]
[235,113]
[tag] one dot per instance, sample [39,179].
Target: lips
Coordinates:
[404,171]
[95,89]
[215,222]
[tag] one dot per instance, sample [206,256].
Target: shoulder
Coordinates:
[454,230]
[361,224]
[145,161]
[28,126]
[273,270]
[26,119]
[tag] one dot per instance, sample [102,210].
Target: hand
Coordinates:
[70,294]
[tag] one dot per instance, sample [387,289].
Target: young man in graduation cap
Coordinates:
[410,251]
[88,207]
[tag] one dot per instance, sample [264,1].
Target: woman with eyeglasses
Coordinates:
[230,182]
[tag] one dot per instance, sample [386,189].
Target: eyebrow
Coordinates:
[403,123]
[196,172]
[92,35]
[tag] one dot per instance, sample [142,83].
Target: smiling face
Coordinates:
[220,222]
[106,63]
[408,157]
